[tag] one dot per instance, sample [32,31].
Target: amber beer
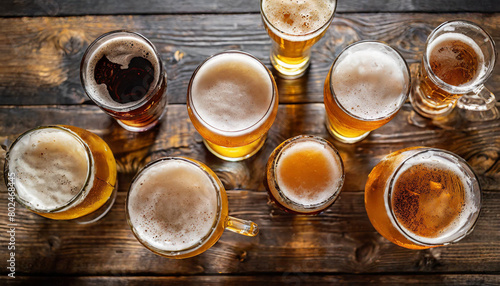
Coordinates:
[232,101]
[458,58]
[422,197]
[177,208]
[123,74]
[294,27]
[365,88]
[304,175]
[62,173]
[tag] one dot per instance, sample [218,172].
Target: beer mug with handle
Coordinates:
[458,59]
[177,208]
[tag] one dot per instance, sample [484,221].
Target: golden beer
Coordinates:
[365,88]
[294,27]
[304,175]
[422,197]
[123,74]
[63,172]
[458,58]
[177,208]
[232,101]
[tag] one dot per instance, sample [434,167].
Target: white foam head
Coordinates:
[50,166]
[309,158]
[298,20]
[370,82]
[120,48]
[232,92]
[444,40]
[172,205]
[455,229]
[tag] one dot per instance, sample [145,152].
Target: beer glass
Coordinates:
[304,175]
[232,101]
[62,173]
[458,58]
[423,197]
[177,208]
[123,74]
[294,27]
[365,88]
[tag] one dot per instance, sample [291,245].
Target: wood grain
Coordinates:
[39,85]
[41,56]
[341,240]
[74,7]
[283,279]
[478,143]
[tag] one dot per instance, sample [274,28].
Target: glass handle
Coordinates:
[241,226]
[478,105]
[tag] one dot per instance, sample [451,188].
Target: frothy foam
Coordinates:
[444,40]
[298,17]
[369,83]
[232,92]
[172,205]
[119,49]
[439,163]
[50,168]
[308,172]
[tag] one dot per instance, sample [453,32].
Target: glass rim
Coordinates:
[479,81]
[81,192]
[287,144]
[392,181]
[324,26]
[403,96]
[218,188]
[264,116]
[150,93]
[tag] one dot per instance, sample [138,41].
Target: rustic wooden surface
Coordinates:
[42,55]
[128,7]
[39,85]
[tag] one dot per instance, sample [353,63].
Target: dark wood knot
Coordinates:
[70,42]
[366,252]
[54,243]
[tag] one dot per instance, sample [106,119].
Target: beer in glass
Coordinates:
[304,175]
[459,57]
[123,74]
[177,208]
[422,197]
[232,101]
[294,27]
[62,173]
[365,88]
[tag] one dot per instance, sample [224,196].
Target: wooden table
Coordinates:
[41,45]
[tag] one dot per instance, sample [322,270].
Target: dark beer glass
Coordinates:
[123,74]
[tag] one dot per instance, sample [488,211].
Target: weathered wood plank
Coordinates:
[95,7]
[41,56]
[478,143]
[340,240]
[283,279]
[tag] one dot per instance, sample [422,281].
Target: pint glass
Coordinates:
[304,175]
[177,208]
[365,88]
[62,173]
[294,27]
[232,101]
[459,57]
[422,197]
[123,74]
